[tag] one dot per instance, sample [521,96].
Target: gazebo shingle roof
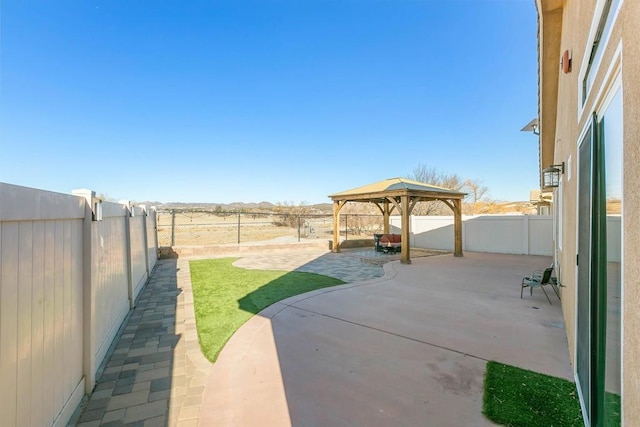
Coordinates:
[401,185]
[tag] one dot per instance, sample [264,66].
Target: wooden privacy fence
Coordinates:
[71,267]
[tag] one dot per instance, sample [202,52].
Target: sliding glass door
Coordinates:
[599,260]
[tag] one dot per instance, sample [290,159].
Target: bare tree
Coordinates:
[289,213]
[431,176]
[476,192]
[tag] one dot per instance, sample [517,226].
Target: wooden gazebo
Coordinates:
[401,194]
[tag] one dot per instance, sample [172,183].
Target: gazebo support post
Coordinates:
[405,257]
[337,205]
[457,226]
[385,218]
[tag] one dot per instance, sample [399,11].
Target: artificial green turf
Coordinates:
[520,398]
[612,410]
[225,297]
[517,397]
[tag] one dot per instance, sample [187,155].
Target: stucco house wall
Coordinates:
[565,25]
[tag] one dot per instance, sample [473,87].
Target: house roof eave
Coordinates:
[549,39]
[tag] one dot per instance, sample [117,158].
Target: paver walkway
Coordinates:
[346,266]
[156,374]
[351,265]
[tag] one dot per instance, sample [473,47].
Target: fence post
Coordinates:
[145,239]
[155,231]
[238,227]
[465,244]
[412,234]
[173,227]
[525,234]
[88,337]
[127,240]
[298,228]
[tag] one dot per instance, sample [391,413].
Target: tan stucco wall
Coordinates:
[631,245]
[577,16]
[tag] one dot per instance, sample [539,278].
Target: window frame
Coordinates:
[589,67]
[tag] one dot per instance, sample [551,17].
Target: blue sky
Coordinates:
[223,101]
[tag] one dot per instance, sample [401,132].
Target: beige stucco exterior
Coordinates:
[565,25]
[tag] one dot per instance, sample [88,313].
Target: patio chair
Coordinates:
[539,279]
[555,284]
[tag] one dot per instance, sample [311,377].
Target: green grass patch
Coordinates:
[612,410]
[520,398]
[225,297]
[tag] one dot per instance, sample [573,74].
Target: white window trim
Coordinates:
[604,41]
[613,81]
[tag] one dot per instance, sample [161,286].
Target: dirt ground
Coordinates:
[207,228]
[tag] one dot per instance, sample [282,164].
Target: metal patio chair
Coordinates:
[539,279]
[555,284]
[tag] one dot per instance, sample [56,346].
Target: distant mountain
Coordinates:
[482,207]
[325,207]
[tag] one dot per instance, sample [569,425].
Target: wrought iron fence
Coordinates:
[202,227]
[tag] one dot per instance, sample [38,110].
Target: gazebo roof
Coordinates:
[393,187]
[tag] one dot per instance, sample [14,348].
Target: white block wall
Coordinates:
[511,234]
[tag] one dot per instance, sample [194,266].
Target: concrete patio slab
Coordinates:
[470,304]
[406,349]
